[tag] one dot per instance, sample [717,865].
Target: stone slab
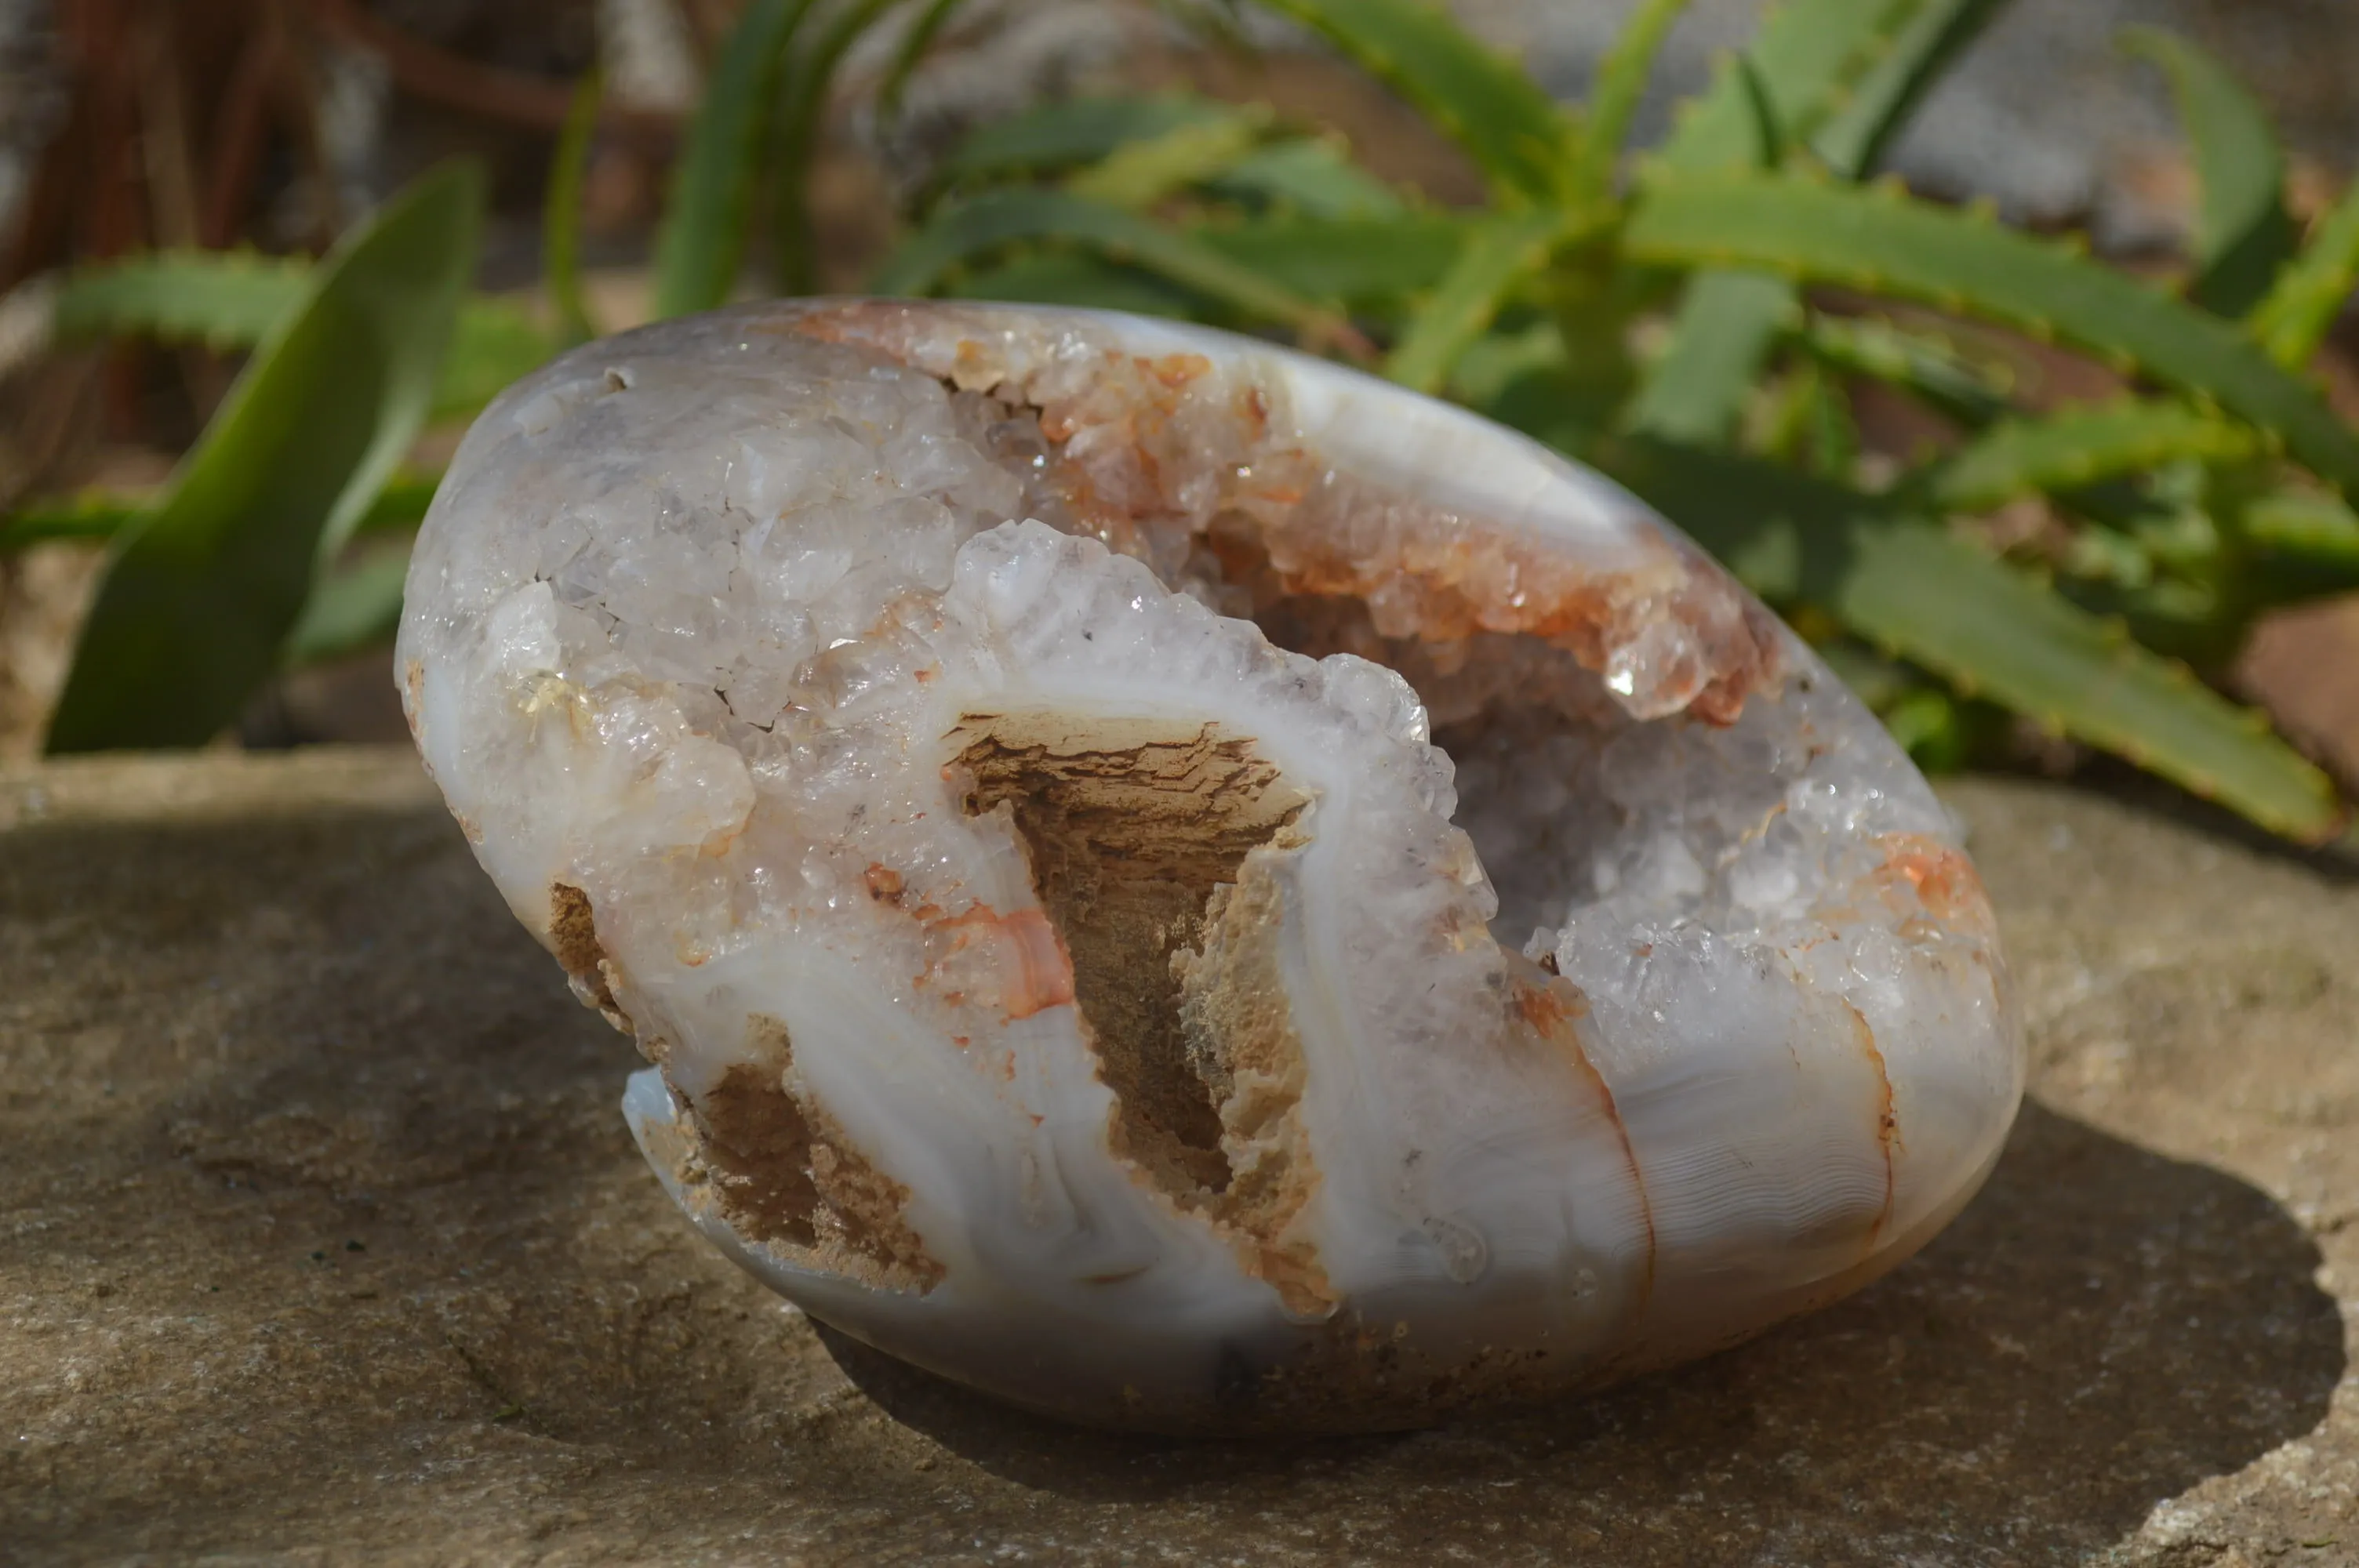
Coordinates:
[321,1242]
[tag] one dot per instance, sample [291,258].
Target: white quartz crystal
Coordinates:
[1186,887]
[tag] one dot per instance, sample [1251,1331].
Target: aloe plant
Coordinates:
[1738,422]
[1696,323]
[201,593]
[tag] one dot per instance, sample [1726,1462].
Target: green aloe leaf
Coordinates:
[1927,369]
[2306,545]
[352,609]
[1841,71]
[1918,591]
[1721,337]
[1470,94]
[1877,106]
[1620,84]
[1881,242]
[2242,231]
[1803,420]
[701,242]
[1940,732]
[1139,174]
[232,300]
[223,299]
[1807,59]
[104,514]
[1506,354]
[495,341]
[907,55]
[2320,526]
[1501,255]
[1212,24]
[995,219]
[1362,263]
[801,113]
[2293,318]
[1077,278]
[1074,131]
[199,597]
[1988,630]
[97,515]
[1313,176]
[2072,447]
[560,211]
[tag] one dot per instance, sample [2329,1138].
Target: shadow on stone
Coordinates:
[2105,1327]
[318,1180]
[2335,861]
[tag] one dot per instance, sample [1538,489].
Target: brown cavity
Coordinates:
[573,937]
[1132,829]
[783,1173]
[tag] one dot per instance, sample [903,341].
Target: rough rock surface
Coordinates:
[323,1242]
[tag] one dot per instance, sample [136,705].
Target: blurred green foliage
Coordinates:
[1700,324]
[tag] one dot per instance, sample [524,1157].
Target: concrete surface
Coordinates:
[321,1242]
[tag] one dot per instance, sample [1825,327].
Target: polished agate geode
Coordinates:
[1186,887]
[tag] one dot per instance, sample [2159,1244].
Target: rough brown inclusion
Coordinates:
[1130,830]
[573,937]
[783,1173]
[780,1168]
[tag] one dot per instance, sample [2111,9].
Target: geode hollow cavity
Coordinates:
[1186,887]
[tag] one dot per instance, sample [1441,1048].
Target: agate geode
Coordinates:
[1187,887]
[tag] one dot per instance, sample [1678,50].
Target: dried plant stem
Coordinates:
[485,91]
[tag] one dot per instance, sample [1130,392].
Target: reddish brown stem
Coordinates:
[240,135]
[445,78]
